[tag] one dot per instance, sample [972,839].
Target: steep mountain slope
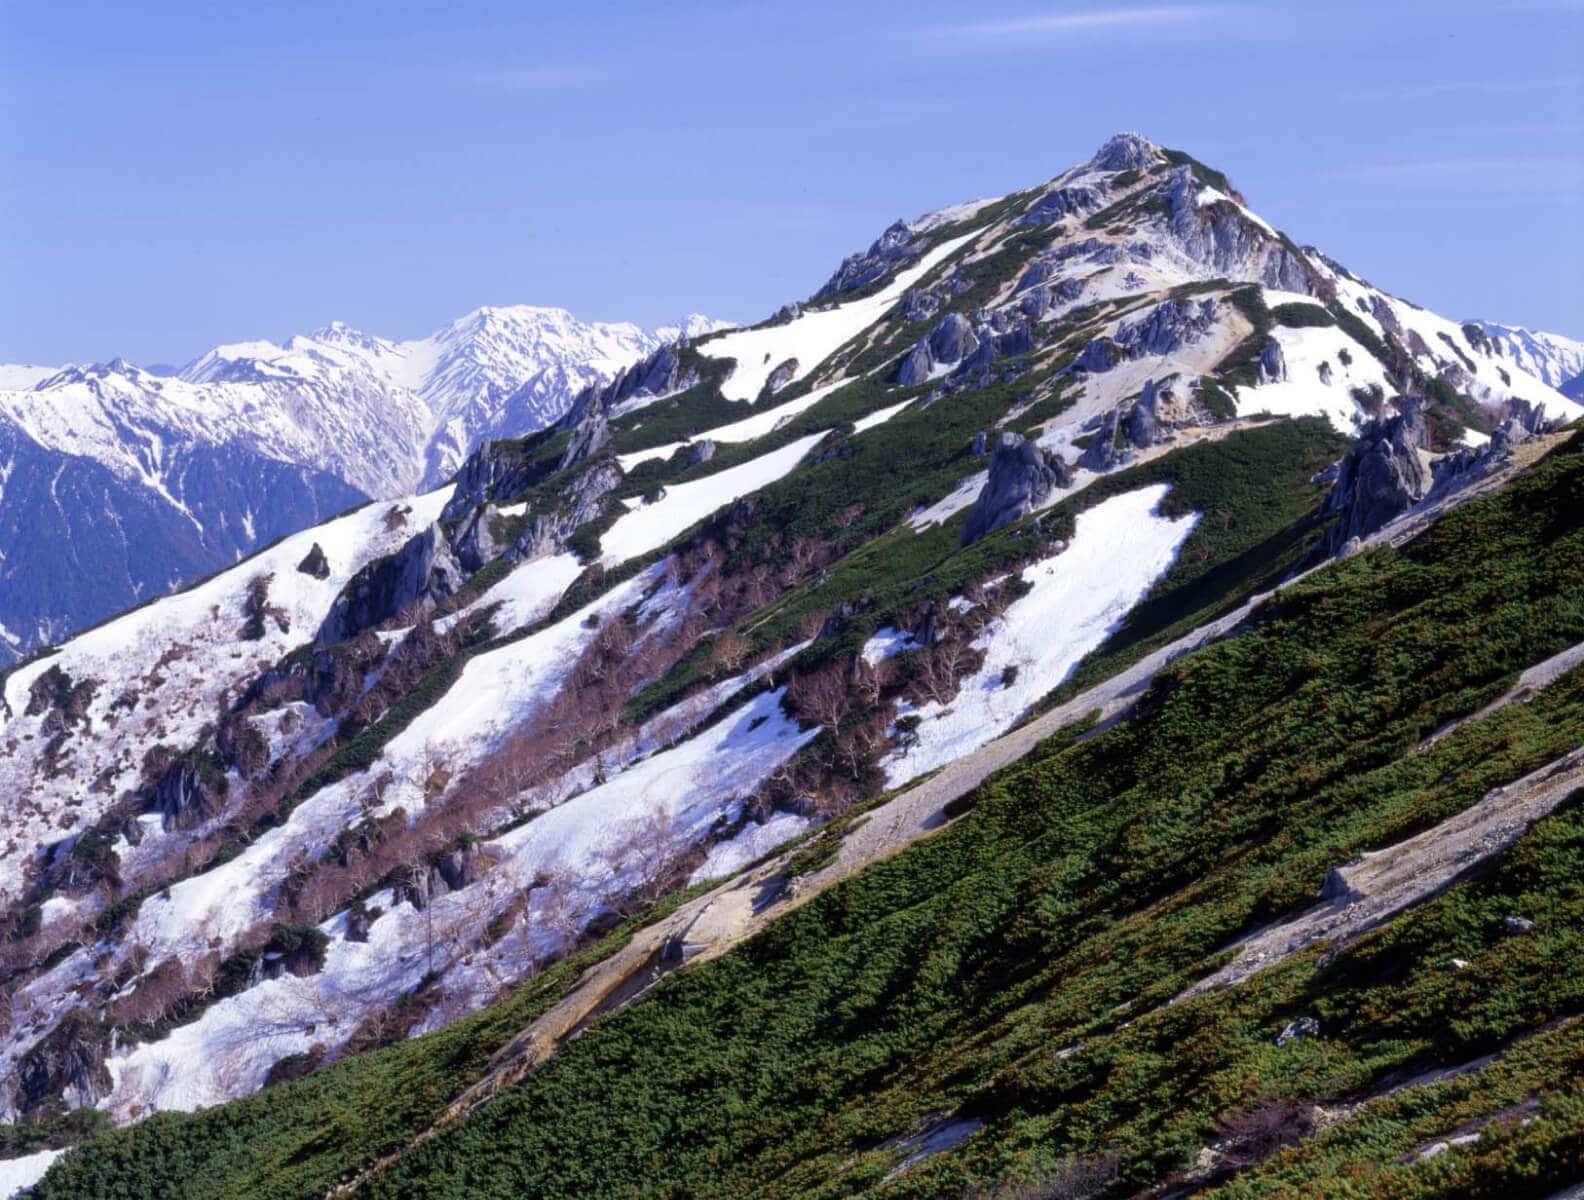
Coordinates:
[1556,360]
[406,774]
[346,414]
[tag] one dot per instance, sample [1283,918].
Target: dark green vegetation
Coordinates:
[1086,887]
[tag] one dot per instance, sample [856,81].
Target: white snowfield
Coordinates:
[650,526]
[1119,548]
[600,842]
[1304,392]
[19,1174]
[754,842]
[745,430]
[525,595]
[160,671]
[815,335]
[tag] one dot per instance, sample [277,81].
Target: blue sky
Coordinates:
[177,175]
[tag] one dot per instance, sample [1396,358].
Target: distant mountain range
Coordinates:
[120,482]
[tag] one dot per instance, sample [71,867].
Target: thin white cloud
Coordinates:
[1098,20]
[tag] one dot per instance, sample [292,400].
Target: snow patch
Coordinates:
[1119,549]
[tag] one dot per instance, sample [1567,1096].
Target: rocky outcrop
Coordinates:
[315,563]
[700,452]
[423,572]
[1382,475]
[474,541]
[1166,329]
[1125,151]
[186,795]
[589,433]
[495,471]
[1022,476]
[66,1065]
[1105,451]
[1227,242]
[952,339]
[1272,364]
[898,244]
[1061,202]
[548,532]
[781,376]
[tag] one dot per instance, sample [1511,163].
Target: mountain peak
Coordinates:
[1125,151]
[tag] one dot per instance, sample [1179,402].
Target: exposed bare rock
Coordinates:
[1383,474]
[315,563]
[548,532]
[424,571]
[1022,475]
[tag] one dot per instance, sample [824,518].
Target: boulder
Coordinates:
[952,339]
[917,367]
[699,452]
[1021,476]
[1299,1030]
[781,376]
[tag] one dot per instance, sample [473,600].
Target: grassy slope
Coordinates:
[1087,878]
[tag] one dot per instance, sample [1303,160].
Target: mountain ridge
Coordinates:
[1077,450]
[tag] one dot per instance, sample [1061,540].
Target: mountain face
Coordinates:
[1550,357]
[1084,703]
[347,414]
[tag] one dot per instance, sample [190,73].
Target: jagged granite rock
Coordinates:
[896,245]
[917,367]
[183,799]
[952,339]
[1381,476]
[1103,453]
[68,1063]
[495,471]
[1272,364]
[315,563]
[781,376]
[589,433]
[1125,151]
[1168,327]
[920,305]
[1061,202]
[474,541]
[1140,426]
[787,313]
[548,532]
[1100,354]
[1225,241]
[1022,475]
[700,452]
[423,571]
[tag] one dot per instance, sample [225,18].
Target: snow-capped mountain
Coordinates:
[373,778]
[1557,360]
[346,414]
